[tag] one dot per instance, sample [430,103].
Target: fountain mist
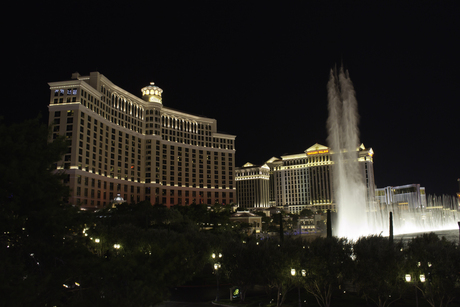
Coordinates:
[356,215]
[343,139]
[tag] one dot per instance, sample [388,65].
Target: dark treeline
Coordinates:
[53,254]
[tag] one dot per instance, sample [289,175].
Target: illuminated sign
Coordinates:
[316,152]
[236,293]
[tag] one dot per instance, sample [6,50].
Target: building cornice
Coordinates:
[124,93]
[223,135]
[180,114]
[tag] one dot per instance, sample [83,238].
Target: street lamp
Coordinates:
[99,250]
[117,247]
[217,266]
[408,278]
[303,273]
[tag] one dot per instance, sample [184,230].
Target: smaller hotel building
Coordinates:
[405,197]
[301,181]
[252,184]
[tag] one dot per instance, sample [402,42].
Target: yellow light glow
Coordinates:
[317,152]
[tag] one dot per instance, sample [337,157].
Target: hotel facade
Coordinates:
[304,180]
[252,185]
[136,147]
[405,197]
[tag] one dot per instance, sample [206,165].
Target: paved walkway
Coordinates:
[195,296]
[184,304]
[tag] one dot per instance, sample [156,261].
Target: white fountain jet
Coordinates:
[343,139]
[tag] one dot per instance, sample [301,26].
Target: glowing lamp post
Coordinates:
[408,278]
[217,267]
[117,247]
[293,274]
[99,249]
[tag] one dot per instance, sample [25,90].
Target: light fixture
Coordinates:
[408,277]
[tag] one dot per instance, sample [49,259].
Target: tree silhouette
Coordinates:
[378,270]
[327,261]
[438,260]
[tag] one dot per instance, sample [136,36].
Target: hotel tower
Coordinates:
[136,147]
[299,181]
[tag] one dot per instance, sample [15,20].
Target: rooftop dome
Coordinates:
[152,93]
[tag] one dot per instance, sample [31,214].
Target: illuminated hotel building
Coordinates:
[252,185]
[304,180]
[405,197]
[122,144]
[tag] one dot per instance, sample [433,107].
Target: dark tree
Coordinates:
[327,262]
[378,270]
[280,258]
[437,261]
[306,212]
[242,263]
[40,231]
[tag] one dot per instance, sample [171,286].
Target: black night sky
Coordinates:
[261,70]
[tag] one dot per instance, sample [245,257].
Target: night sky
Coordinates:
[261,70]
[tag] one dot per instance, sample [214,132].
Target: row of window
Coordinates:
[111,163]
[126,114]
